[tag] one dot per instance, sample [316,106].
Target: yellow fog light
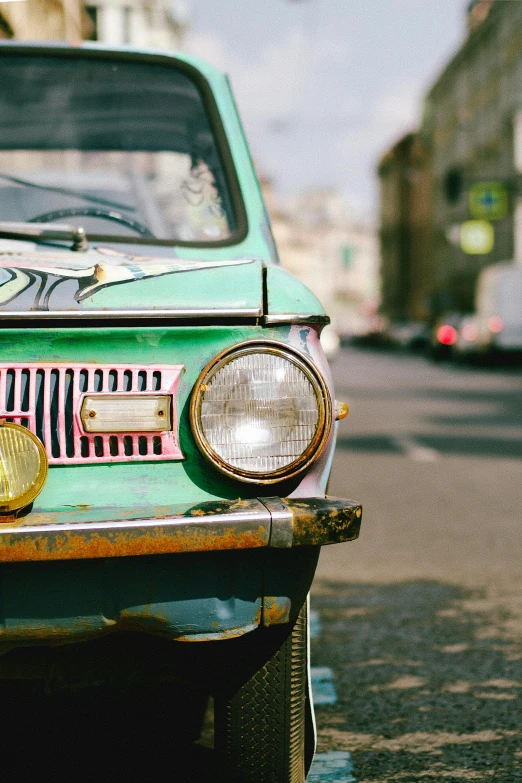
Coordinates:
[23,466]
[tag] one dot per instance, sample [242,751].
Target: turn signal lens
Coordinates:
[129,413]
[23,466]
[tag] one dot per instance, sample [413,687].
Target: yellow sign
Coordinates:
[488,200]
[477,237]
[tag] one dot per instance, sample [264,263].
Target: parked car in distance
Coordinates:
[465,346]
[412,335]
[166,408]
[374,333]
[498,304]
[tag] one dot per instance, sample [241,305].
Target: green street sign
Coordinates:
[488,200]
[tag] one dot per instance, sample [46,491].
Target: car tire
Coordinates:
[260,725]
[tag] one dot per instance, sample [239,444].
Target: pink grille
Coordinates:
[47,399]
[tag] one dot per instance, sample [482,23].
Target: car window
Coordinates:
[124,148]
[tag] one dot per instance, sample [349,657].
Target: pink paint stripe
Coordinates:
[61,412]
[3,386]
[17,392]
[47,412]
[32,400]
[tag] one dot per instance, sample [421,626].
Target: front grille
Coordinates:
[47,400]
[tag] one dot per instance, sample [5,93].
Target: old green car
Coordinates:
[167,416]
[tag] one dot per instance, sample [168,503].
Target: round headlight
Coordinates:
[23,466]
[261,412]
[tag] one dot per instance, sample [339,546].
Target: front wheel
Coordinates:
[260,723]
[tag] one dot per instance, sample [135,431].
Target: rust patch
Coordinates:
[76,631]
[232,633]
[276,610]
[317,521]
[71,545]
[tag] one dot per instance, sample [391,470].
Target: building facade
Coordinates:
[451,194]
[44,20]
[473,128]
[324,244]
[142,23]
[405,231]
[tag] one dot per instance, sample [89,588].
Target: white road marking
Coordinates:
[333,767]
[416,451]
[323,688]
[315,624]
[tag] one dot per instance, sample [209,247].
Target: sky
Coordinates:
[324,87]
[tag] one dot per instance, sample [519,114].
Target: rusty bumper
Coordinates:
[279,523]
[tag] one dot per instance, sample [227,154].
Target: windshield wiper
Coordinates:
[39,231]
[66,192]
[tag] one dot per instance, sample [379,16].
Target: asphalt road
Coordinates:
[422,617]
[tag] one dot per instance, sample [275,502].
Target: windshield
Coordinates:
[123,148]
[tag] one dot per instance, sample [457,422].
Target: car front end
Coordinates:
[167,414]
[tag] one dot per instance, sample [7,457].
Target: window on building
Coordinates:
[453,185]
[127,25]
[92,13]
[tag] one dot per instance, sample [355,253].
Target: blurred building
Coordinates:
[44,20]
[460,181]
[405,231]
[473,125]
[143,23]
[324,244]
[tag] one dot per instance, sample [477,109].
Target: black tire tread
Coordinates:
[260,728]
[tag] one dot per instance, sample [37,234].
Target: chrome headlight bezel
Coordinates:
[322,395]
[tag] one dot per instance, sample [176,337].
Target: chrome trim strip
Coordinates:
[282,533]
[245,312]
[295,318]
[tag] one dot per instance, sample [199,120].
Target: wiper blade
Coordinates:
[39,231]
[66,192]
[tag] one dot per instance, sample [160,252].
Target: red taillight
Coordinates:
[447,335]
[495,324]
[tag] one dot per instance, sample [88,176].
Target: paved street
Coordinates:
[421,619]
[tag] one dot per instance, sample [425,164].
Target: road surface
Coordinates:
[421,619]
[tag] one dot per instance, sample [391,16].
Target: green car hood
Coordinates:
[39,281]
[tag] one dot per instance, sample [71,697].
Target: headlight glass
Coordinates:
[23,466]
[261,412]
